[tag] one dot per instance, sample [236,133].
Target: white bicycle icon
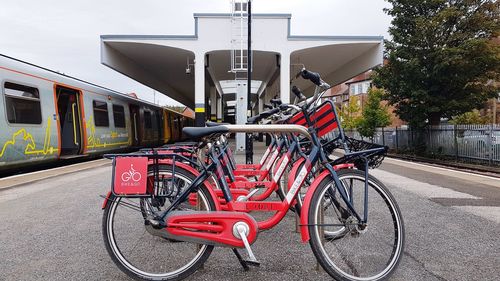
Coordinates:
[131,175]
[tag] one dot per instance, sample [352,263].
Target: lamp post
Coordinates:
[249,137]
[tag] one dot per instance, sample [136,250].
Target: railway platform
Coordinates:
[51,228]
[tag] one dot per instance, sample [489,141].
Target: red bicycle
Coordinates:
[350,219]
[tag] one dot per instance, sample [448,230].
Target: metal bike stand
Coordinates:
[277,128]
[281,128]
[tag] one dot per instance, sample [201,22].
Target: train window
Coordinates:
[101,117]
[22,104]
[119,116]
[148,123]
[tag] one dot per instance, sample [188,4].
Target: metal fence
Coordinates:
[466,143]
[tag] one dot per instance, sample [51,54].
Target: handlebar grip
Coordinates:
[298,92]
[265,114]
[312,76]
[283,107]
[268,106]
[269,112]
[253,120]
[276,102]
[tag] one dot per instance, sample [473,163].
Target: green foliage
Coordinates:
[350,114]
[374,114]
[441,59]
[471,117]
[177,108]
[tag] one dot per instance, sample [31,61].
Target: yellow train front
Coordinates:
[46,116]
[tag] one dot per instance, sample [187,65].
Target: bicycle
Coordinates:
[335,209]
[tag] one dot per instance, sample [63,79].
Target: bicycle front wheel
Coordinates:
[345,248]
[139,253]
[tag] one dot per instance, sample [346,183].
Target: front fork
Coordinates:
[348,198]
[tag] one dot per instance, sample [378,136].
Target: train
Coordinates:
[47,116]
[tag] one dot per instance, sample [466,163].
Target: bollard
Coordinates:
[249,148]
[297,222]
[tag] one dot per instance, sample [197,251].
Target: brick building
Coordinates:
[356,90]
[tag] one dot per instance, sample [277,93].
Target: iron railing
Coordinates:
[465,143]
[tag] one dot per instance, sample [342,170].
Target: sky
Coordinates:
[65,35]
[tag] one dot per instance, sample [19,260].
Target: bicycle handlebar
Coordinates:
[298,93]
[312,76]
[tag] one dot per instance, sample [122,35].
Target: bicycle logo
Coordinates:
[131,175]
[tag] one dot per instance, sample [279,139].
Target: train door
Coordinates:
[70,121]
[135,124]
[166,126]
[159,126]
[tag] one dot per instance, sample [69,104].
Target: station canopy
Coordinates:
[166,63]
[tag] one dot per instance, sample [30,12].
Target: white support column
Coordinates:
[213,104]
[219,108]
[261,102]
[285,77]
[199,89]
[241,112]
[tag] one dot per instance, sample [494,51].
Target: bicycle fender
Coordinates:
[293,172]
[304,214]
[106,200]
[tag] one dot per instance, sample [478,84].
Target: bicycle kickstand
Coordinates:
[242,234]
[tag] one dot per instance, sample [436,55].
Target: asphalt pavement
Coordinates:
[51,230]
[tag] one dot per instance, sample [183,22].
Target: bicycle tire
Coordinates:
[132,270]
[339,265]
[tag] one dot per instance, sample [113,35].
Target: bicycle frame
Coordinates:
[281,208]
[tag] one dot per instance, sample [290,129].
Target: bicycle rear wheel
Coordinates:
[343,247]
[144,256]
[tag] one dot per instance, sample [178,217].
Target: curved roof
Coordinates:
[160,61]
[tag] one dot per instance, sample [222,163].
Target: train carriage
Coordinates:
[46,116]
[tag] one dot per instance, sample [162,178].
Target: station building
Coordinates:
[206,70]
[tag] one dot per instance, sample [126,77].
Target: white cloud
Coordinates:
[64,35]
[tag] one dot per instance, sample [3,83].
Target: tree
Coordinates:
[441,61]
[469,118]
[374,114]
[178,108]
[350,114]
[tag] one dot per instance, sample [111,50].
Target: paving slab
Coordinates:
[51,230]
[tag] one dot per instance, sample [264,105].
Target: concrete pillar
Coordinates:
[285,78]
[213,104]
[261,101]
[219,108]
[199,89]
[241,113]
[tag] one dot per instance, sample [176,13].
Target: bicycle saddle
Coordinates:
[214,124]
[199,132]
